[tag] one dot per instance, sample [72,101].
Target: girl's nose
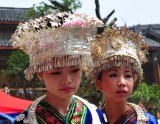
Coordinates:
[121,82]
[67,78]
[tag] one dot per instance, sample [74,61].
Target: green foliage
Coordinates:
[89,92]
[43,8]
[72,4]
[148,95]
[17,63]
[37,11]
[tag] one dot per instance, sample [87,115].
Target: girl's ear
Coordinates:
[40,75]
[98,85]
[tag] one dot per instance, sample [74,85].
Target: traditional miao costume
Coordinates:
[80,112]
[48,40]
[121,47]
[137,114]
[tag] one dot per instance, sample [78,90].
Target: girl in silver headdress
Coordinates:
[58,49]
[117,55]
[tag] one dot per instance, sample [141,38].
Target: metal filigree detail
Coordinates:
[56,35]
[118,47]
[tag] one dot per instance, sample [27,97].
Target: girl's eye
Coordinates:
[75,70]
[55,73]
[128,76]
[112,75]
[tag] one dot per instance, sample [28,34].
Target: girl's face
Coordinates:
[116,84]
[62,82]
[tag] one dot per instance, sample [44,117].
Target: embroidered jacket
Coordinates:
[80,112]
[135,115]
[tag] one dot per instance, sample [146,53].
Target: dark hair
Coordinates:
[99,76]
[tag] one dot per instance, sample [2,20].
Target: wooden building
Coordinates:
[152,37]
[9,19]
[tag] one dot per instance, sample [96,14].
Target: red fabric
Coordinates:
[10,104]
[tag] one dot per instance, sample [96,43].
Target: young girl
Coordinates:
[117,55]
[58,48]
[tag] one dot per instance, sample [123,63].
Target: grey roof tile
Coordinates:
[152,43]
[13,14]
[5,42]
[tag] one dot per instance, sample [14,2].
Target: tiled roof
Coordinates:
[148,31]
[5,42]
[152,43]
[12,14]
[155,31]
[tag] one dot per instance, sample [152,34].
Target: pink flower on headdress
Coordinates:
[77,23]
[76,20]
[84,25]
[73,23]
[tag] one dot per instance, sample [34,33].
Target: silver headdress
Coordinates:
[118,47]
[47,40]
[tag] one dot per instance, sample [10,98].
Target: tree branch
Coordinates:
[112,22]
[108,16]
[98,9]
[60,5]
[50,6]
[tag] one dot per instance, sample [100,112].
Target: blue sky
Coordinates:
[131,12]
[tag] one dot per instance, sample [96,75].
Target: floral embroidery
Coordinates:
[77,119]
[50,120]
[78,114]
[78,109]
[58,122]
[48,114]
[39,109]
